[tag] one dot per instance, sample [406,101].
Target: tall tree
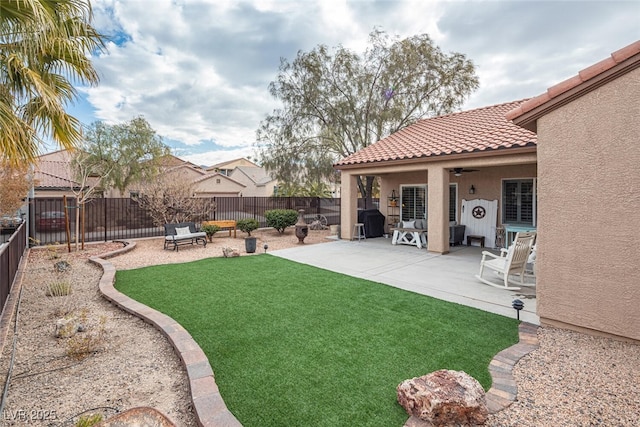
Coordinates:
[44,46]
[126,153]
[86,187]
[334,104]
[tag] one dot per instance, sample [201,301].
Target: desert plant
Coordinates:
[52,252]
[247,225]
[280,219]
[58,289]
[210,229]
[89,420]
[81,345]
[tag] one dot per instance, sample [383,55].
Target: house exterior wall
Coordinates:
[251,189]
[218,185]
[520,163]
[487,183]
[589,209]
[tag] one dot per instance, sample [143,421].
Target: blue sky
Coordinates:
[199,70]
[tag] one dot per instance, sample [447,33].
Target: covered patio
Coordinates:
[448,277]
[440,170]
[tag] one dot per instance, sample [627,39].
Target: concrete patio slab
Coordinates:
[449,277]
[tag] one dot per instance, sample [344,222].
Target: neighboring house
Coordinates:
[588,275]
[225,168]
[435,164]
[53,176]
[219,185]
[256,180]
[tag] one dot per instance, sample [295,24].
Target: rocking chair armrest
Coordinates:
[491,254]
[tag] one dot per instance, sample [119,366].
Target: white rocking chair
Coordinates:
[513,263]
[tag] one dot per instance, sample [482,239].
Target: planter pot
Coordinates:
[333,230]
[250,244]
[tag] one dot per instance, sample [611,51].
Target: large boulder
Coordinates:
[444,398]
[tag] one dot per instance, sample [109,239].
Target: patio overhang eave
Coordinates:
[503,156]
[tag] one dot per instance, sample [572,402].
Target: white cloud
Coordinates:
[199,71]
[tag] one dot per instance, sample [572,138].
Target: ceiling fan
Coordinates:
[458,171]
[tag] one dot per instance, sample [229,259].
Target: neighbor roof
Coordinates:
[620,62]
[53,175]
[480,130]
[258,175]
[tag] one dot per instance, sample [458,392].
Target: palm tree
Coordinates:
[44,46]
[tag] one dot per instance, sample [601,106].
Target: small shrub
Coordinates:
[247,225]
[210,229]
[280,219]
[52,252]
[89,420]
[58,289]
[83,344]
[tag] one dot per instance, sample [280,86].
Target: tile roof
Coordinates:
[585,77]
[53,174]
[480,130]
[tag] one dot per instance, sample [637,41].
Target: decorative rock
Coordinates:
[230,252]
[62,266]
[444,398]
[66,327]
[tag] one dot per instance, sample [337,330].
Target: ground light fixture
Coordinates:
[265,248]
[517,305]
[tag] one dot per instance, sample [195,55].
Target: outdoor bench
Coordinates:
[412,232]
[181,234]
[228,224]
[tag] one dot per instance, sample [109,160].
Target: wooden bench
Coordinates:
[181,234]
[227,224]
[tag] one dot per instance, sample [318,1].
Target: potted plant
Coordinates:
[248,225]
[210,229]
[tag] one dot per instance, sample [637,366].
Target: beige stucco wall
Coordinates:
[588,264]
[218,185]
[492,168]
[251,189]
[487,182]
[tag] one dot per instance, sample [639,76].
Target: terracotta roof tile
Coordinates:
[482,129]
[582,77]
[53,174]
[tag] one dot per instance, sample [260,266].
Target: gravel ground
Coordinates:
[571,380]
[575,380]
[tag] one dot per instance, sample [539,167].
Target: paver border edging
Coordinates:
[210,409]
[504,390]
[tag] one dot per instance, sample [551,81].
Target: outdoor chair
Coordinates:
[511,263]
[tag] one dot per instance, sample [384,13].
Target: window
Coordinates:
[453,202]
[518,201]
[414,202]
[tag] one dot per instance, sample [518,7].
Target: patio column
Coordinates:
[348,204]
[438,210]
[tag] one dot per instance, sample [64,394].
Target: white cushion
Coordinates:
[408,224]
[181,231]
[532,255]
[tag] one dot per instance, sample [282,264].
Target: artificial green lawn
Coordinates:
[294,345]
